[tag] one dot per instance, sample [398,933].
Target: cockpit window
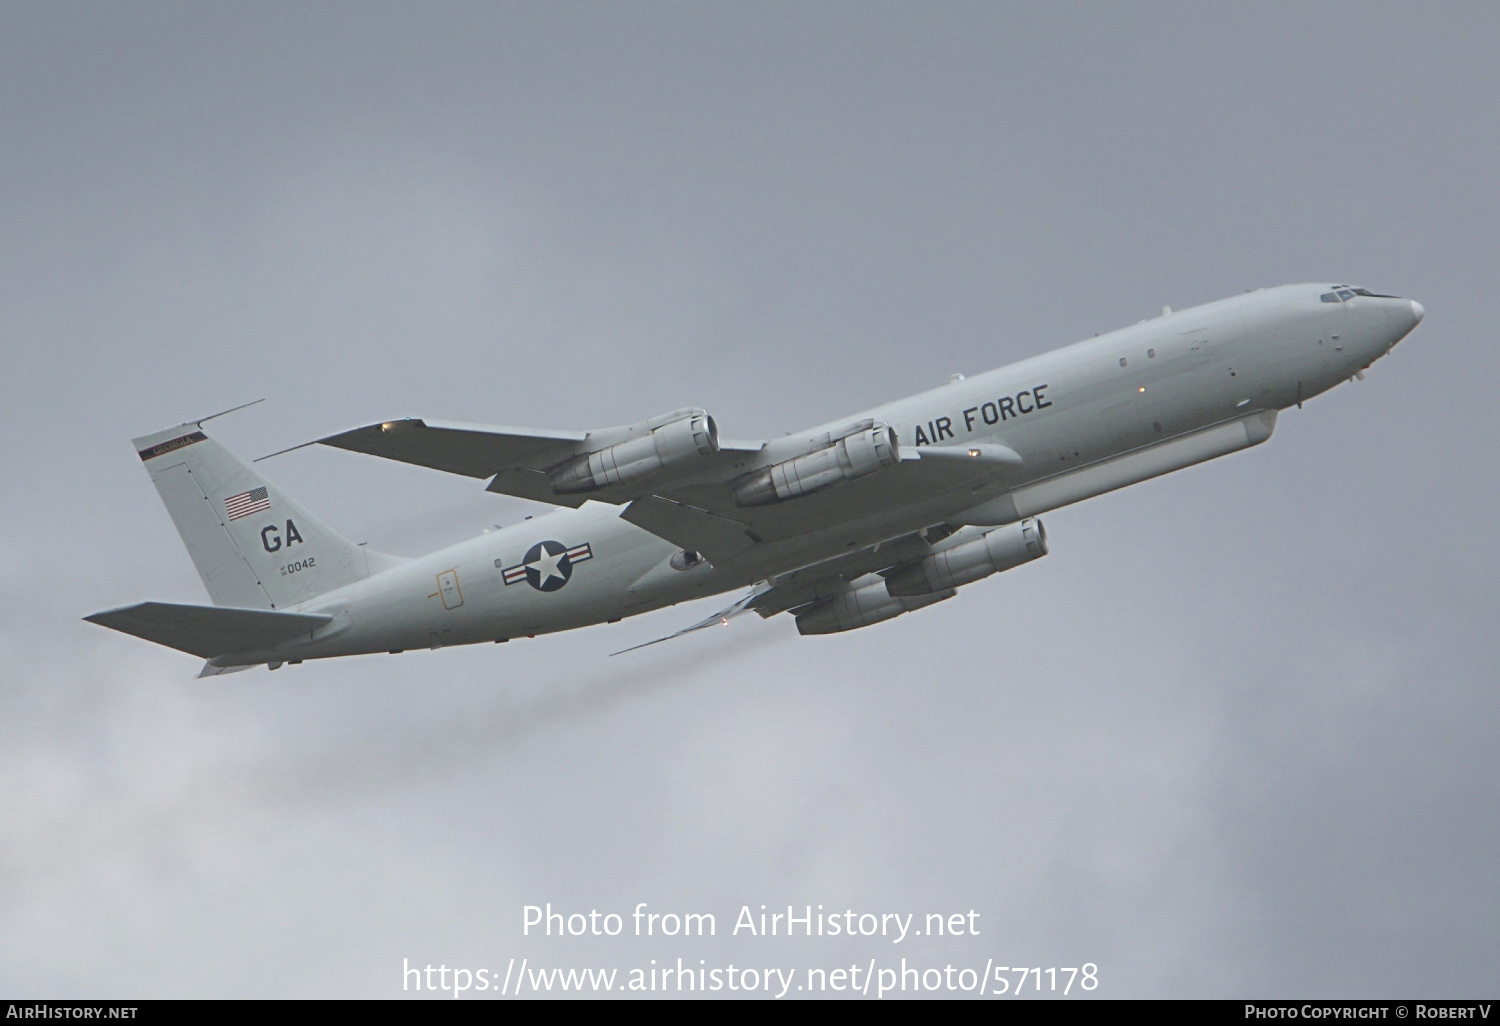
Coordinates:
[1343,292]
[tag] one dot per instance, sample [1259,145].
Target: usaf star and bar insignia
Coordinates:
[548,565]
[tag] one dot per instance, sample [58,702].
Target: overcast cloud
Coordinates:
[1235,736]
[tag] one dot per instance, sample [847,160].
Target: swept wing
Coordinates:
[692,503]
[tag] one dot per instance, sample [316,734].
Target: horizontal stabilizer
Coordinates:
[208,631]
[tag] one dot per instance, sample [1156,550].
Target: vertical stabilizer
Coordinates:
[254,547]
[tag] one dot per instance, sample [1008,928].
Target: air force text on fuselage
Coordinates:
[986,414]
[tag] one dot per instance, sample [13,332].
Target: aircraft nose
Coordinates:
[1404,316]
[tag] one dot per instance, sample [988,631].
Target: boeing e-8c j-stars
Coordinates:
[843,525]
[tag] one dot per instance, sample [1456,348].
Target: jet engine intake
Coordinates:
[664,441]
[852,456]
[961,561]
[860,605]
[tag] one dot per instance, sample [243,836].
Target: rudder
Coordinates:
[253,545]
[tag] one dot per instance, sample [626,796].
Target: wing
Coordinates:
[808,584]
[719,619]
[703,514]
[474,450]
[520,461]
[804,586]
[689,500]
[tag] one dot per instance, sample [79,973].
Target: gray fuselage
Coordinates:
[1082,406]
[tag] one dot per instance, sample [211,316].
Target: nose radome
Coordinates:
[1418,311]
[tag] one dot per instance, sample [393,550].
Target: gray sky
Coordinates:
[1233,737]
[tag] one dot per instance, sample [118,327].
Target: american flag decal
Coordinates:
[242,505]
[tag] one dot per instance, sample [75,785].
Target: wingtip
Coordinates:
[645,644]
[338,439]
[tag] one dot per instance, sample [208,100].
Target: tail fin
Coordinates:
[254,547]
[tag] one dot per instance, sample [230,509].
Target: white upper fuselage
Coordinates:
[1061,411]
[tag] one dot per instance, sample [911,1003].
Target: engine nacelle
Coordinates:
[852,456]
[965,562]
[670,439]
[860,605]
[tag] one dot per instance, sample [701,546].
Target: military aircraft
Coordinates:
[843,525]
